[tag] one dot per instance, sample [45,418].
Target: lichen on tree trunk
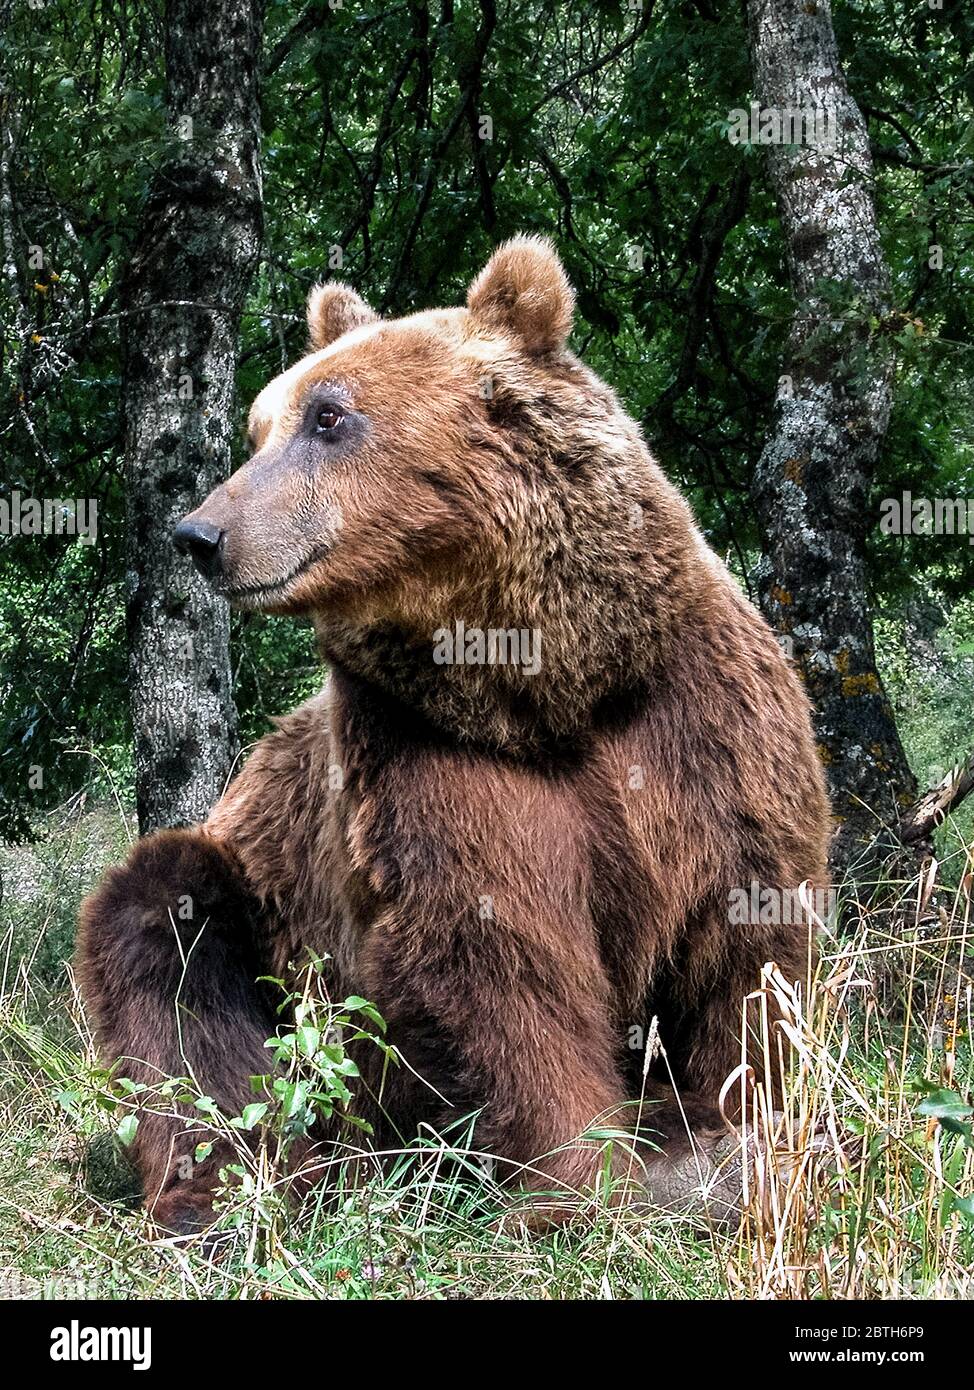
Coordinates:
[183,294]
[812,482]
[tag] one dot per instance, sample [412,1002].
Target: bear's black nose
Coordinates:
[201,540]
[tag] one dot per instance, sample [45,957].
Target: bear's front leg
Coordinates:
[499,1015]
[168,958]
[483,959]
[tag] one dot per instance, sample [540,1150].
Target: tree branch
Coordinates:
[933,808]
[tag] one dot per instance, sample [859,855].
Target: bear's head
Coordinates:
[384,453]
[455,466]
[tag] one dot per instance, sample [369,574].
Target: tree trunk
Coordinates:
[812,482]
[183,294]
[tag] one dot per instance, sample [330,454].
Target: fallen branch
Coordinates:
[933,808]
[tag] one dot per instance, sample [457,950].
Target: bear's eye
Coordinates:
[328,419]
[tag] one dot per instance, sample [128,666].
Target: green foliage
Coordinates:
[926,658]
[608,130]
[312,1068]
[951,1110]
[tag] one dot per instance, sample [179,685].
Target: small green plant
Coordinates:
[312,1065]
[953,1114]
[306,1094]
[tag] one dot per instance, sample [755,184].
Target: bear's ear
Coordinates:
[523,292]
[334,309]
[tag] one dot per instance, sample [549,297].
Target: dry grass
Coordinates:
[859,1188]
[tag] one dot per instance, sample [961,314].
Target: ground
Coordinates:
[884,1054]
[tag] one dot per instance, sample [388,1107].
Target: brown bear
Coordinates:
[554,743]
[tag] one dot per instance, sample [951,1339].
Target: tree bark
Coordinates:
[183,294]
[812,482]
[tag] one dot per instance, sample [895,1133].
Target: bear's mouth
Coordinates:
[249,594]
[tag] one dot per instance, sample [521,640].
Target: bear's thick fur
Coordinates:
[518,861]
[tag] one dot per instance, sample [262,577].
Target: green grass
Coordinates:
[885,1211]
[930,683]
